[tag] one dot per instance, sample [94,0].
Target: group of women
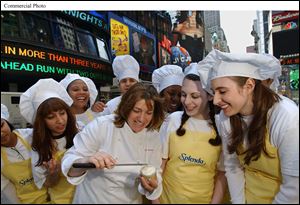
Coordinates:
[251,146]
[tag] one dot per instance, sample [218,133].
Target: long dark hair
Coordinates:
[181,131]
[263,99]
[42,140]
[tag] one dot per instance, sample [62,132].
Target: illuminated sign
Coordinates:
[289,61]
[16,66]
[142,44]
[17,58]
[119,38]
[285,16]
[88,18]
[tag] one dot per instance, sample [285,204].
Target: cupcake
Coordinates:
[149,172]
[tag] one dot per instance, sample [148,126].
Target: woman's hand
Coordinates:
[53,169]
[149,184]
[98,106]
[102,160]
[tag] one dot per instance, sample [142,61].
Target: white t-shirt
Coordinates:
[284,135]
[117,185]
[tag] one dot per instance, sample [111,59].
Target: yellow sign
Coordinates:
[119,37]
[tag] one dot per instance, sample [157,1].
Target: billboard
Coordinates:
[188,33]
[129,37]
[119,38]
[18,59]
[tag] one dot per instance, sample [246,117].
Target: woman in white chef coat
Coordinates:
[17,185]
[259,129]
[129,136]
[83,92]
[46,106]
[126,69]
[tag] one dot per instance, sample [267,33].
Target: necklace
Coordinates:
[20,156]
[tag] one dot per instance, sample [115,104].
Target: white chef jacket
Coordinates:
[284,134]
[117,185]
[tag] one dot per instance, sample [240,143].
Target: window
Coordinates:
[9,24]
[64,35]
[102,49]
[36,29]
[143,49]
[86,44]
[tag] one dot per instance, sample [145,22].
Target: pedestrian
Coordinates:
[46,106]
[126,69]
[17,184]
[192,157]
[83,92]
[259,129]
[168,80]
[128,137]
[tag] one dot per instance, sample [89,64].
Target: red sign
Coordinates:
[284,16]
[289,61]
[166,43]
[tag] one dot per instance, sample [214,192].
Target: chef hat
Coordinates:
[38,93]
[70,77]
[166,76]
[126,66]
[202,72]
[191,69]
[273,72]
[4,112]
[257,66]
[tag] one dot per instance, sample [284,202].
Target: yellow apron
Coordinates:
[189,174]
[63,191]
[262,177]
[20,174]
[90,115]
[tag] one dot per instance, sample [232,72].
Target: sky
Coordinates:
[237,26]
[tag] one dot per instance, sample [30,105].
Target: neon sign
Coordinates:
[17,66]
[28,59]
[88,18]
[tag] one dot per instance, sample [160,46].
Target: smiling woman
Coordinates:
[17,184]
[268,164]
[129,136]
[46,106]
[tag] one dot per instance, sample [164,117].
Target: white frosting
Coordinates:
[148,171]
